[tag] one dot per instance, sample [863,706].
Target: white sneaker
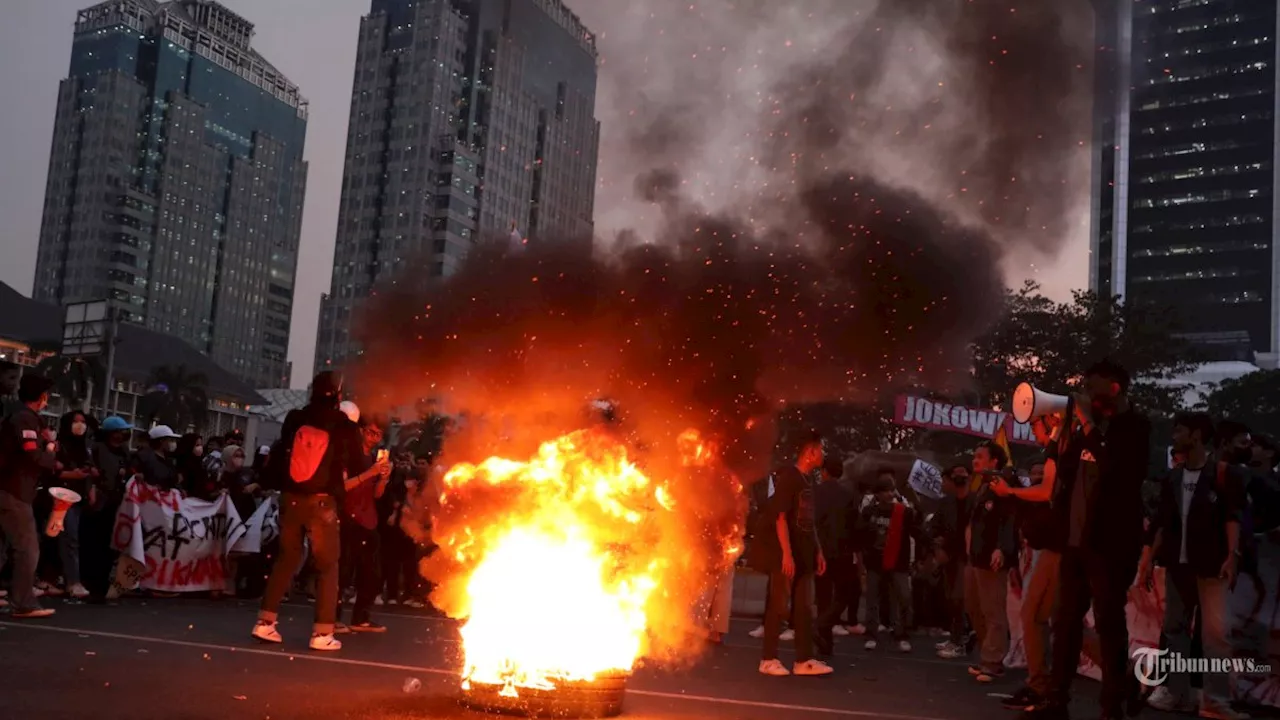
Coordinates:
[757,633]
[1216,709]
[4,593]
[904,646]
[78,591]
[840,631]
[773,667]
[113,592]
[810,668]
[325,642]
[884,629]
[787,635]
[378,600]
[340,629]
[267,632]
[951,652]
[1162,698]
[37,591]
[858,629]
[869,645]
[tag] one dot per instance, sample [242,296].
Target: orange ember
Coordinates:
[567,566]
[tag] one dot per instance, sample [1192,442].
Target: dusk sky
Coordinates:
[717,65]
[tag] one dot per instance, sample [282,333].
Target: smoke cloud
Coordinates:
[827,192]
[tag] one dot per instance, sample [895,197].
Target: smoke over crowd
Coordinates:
[886,160]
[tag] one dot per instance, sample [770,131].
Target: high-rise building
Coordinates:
[1184,199]
[176,181]
[469,118]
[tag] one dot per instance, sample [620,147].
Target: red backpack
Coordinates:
[310,443]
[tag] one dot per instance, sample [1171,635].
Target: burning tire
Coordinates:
[600,698]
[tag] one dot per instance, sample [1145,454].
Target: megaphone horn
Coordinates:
[1031,403]
[63,499]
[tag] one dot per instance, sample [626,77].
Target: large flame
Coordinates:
[575,563]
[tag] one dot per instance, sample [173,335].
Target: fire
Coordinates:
[571,565]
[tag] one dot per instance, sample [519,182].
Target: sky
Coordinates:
[661,53]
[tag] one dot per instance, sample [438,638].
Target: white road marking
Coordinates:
[438,671]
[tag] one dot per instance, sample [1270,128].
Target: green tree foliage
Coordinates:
[178,398]
[1049,344]
[1253,399]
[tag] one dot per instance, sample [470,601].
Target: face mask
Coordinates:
[171,446]
[197,450]
[78,429]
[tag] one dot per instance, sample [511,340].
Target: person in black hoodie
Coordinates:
[888,527]
[839,588]
[114,468]
[320,449]
[1197,540]
[947,533]
[992,549]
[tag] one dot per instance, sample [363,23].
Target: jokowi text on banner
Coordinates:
[180,544]
[915,411]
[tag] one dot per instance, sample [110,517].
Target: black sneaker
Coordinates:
[1023,698]
[369,627]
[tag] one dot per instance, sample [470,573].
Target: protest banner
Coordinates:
[915,411]
[173,543]
[1255,625]
[926,480]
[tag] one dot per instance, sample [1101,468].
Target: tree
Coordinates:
[177,398]
[72,378]
[1049,344]
[1252,399]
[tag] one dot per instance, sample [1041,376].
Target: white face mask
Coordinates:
[171,446]
[197,450]
[78,429]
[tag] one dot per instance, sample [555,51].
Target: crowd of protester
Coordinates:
[1092,517]
[374,561]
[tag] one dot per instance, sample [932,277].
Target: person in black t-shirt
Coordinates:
[789,551]
[839,588]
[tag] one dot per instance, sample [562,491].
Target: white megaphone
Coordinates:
[1030,403]
[63,499]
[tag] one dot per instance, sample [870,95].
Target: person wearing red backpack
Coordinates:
[320,447]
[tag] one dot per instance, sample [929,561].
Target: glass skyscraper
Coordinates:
[1184,197]
[469,118]
[176,181]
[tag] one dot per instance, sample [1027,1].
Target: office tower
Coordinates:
[1184,201]
[176,181]
[469,119]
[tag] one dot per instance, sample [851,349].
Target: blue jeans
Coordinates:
[69,547]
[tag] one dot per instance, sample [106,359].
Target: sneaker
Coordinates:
[952,652]
[840,631]
[787,635]
[1216,709]
[78,591]
[32,614]
[378,600]
[869,645]
[904,646]
[1024,698]
[369,627]
[812,668]
[773,667]
[53,591]
[3,603]
[942,645]
[113,592]
[326,643]
[757,633]
[1162,698]
[4,593]
[885,629]
[391,601]
[37,591]
[989,675]
[340,629]
[858,629]
[267,632]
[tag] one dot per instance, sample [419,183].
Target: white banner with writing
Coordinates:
[172,543]
[926,480]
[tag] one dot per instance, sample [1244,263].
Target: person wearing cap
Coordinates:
[115,467]
[320,449]
[155,461]
[27,452]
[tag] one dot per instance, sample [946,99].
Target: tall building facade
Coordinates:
[1185,185]
[469,119]
[176,181]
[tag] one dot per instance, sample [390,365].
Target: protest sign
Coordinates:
[926,480]
[914,411]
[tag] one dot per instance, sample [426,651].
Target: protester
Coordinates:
[1098,513]
[888,526]
[1197,541]
[114,464]
[27,451]
[949,548]
[360,557]
[9,379]
[839,589]
[323,448]
[991,549]
[155,460]
[790,553]
[76,472]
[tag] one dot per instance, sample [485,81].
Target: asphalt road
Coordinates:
[194,660]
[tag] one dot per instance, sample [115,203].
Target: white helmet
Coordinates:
[351,410]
